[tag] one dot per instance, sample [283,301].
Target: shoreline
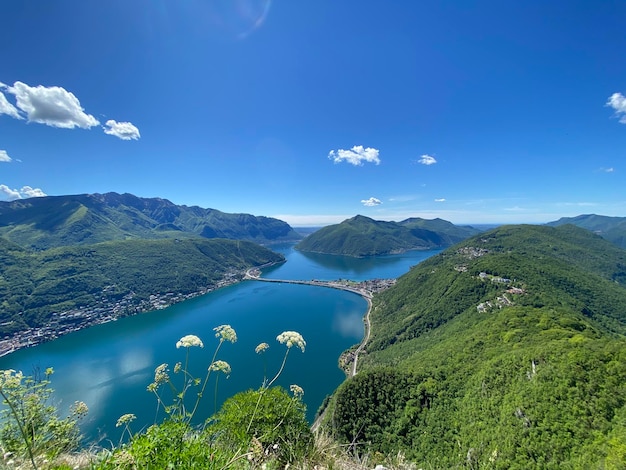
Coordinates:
[348,360]
[70,321]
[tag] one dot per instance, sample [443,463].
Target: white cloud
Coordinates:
[609,170]
[9,194]
[6,107]
[123,130]
[4,156]
[442,199]
[371,202]
[427,160]
[355,156]
[27,191]
[53,106]
[617,101]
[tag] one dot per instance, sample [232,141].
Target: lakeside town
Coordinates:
[105,310]
[108,309]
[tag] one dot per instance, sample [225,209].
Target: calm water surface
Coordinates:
[109,366]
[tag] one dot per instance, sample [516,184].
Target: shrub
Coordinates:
[269,423]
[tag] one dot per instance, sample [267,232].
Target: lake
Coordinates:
[109,366]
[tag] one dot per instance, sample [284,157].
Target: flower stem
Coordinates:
[19,424]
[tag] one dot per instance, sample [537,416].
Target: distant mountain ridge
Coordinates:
[362,236]
[53,221]
[612,229]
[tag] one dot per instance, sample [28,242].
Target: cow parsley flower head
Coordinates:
[291,338]
[221,366]
[160,374]
[189,341]
[10,378]
[261,348]
[225,333]
[125,419]
[80,409]
[296,390]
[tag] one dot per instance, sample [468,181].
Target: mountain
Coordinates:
[506,350]
[113,279]
[449,232]
[611,228]
[52,221]
[361,236]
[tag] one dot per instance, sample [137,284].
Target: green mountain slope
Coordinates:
[610,228]
[46,222]
[449,232]
[504,351]
[35,285]
[361,236]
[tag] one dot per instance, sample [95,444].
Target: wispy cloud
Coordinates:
[4,156]
[355,156]
[123,130]
[9,194]
[617,101]
[371,202]
[54,106]
[6,107]
[441,199]
[427,160]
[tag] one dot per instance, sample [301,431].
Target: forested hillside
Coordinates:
[34,285]
[611,228]
[504,351]
[361,236]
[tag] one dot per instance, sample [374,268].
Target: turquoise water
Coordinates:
[109,366]
[305,266]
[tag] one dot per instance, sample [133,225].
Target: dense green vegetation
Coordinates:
[504,351]
[362,236]
[45,222]
[449,232]
[33,285]
[611,228]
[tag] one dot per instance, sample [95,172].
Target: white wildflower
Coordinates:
[160,374]
[297,390]
[291,338]
[189,341]
[225,333]
[80,409]
[261,348]
[125,419]
[10,378]
[221,366]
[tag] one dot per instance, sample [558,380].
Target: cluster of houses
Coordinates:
[107,309]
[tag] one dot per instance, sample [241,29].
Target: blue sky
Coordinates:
[315,111]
